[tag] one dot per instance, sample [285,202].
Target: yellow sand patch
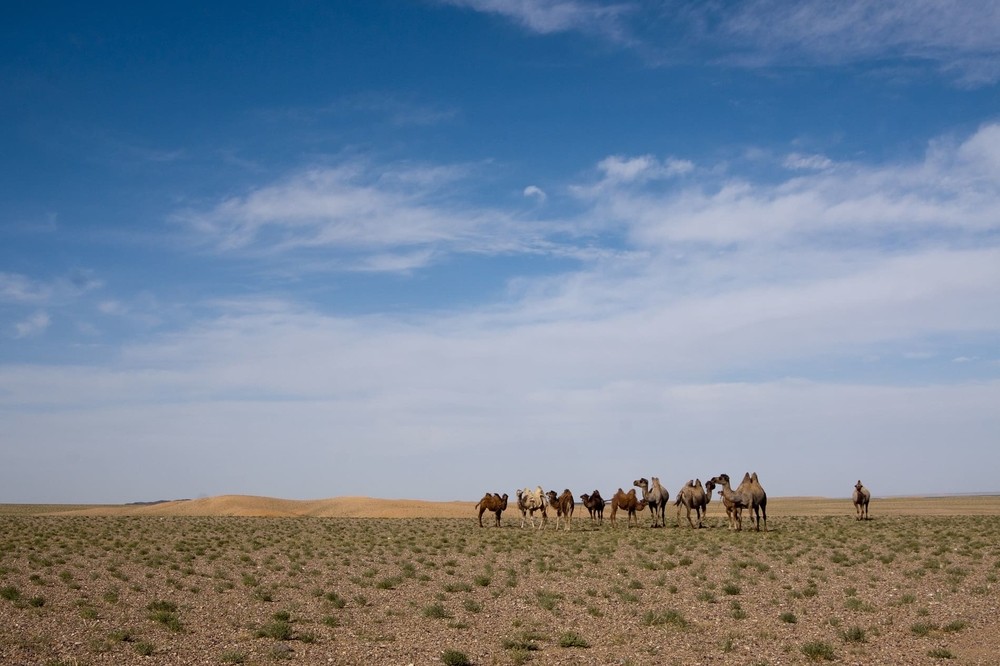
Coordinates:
[370,507]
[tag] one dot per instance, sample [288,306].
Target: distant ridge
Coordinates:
[371,507]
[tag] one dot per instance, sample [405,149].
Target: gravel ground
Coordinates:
[217,590]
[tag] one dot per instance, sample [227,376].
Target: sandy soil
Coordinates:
[368,507]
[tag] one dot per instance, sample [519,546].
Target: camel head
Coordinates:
[641,483]
[721,480]
[709,486]
[858,485]
[553,498]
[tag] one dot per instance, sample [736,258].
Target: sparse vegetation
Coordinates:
[268,588]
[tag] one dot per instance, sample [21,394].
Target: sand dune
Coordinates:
[252,505]
[370,507]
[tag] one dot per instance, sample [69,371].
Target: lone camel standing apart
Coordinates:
[861,498]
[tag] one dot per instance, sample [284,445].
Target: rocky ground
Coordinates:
[216,590]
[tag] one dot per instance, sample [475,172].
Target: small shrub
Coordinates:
[165,612]
[547,599]
[572,639]
[922,628]
[279,630]
[455,658]
[731,588]
[523,642]
[854,635]
[940,653]
[788,617]
[818,651]
[144,648]
[661,618]
[436,611]
[233,657]
[955,625]
[390,583]
[10,593]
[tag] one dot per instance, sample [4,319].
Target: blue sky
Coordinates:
[431,249]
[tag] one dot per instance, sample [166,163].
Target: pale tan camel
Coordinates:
[751,486]
[861,497]
[529,501]
[694,496]
[492,502]
[656,497]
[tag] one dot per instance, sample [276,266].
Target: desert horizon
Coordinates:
[352,506]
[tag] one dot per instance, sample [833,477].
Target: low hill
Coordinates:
[370,507]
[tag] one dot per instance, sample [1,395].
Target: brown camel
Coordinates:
[492,502]
[656,497]
[564,505]
[693,496]
[861,497]
[628,502]
[734,501]
[595,505]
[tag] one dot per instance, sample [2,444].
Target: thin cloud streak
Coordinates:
[956,38]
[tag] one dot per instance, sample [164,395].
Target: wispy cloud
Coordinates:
[17,288]
[959,37]
[383,217]
[552,16]
[956,38]
[953,190]
[33,325]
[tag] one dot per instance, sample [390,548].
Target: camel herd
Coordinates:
[693,496]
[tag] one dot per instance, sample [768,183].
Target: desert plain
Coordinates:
[256,580]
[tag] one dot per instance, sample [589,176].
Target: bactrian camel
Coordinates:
[595,505]
[492,502]
[529,501]
[694,496]
[628,502]
[734,501]
[861,497]
[563,505]
[656,498]
[758,506]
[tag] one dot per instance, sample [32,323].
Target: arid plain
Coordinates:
[254,580]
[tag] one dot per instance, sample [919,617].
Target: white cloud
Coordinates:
[552,16]
[956,37]
[369,214]
[807,162]
[17,288]
[33,325]
[535,192]
[954,190]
